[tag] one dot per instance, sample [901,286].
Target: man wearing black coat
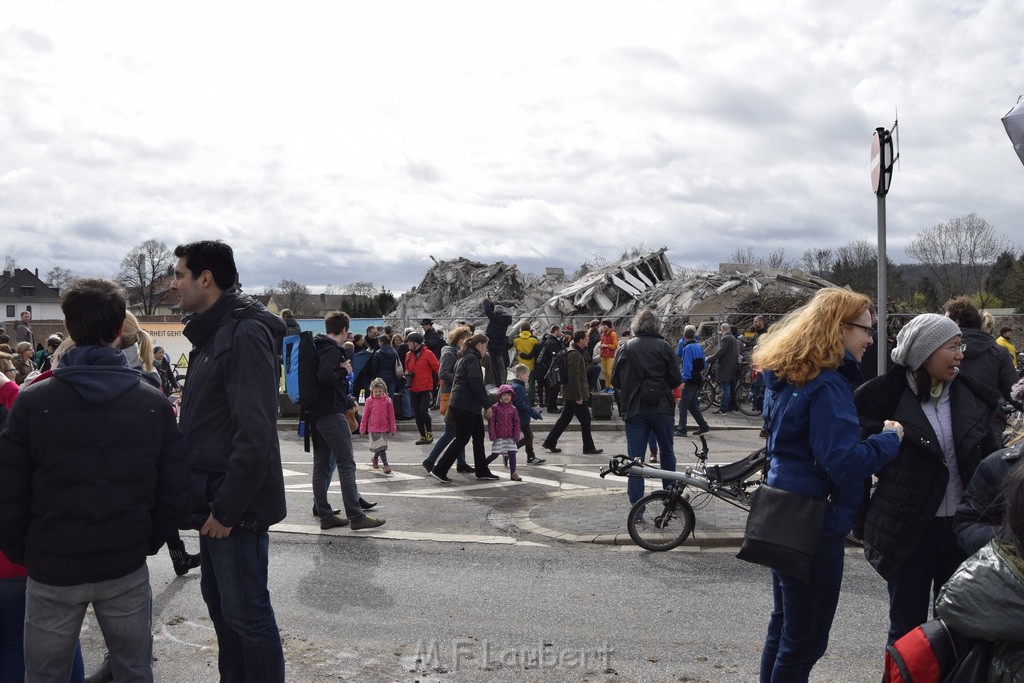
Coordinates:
[92,480]
[497,340]
[229,419]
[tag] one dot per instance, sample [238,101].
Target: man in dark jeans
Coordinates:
[229,421]
[576,393]
[331,432]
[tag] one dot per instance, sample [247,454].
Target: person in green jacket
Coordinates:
[576,394]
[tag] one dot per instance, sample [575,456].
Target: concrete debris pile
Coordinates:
[453,290]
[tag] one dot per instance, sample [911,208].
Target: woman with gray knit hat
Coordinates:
[946,417]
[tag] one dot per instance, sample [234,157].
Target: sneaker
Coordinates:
[441,477]
[373,463]
[422,441]
[551,448]
[489,476]
[679,432]
[427,465]
[703,430]
[367,522]
[594,451]
[535,461]
[333,522]
[465,469]
[514,477]
[387,469]
[654,459]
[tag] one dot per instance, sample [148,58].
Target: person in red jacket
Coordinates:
[422,366]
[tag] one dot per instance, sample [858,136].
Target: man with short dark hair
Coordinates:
[92,480]
[229,419]
[646,373]
[727,357]
[983,360]
[576,394]
[497,340]
[331,431]
[1004,340]
[23,331]
[691,357]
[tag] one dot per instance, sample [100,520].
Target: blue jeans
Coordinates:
[406,403]
[53,622]
[727,391]
[639,430]
[12,630]
[802,616]
[234,586]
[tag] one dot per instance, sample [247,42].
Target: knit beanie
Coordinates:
[920,337]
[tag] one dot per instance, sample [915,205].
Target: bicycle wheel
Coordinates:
[743,400]
[655,523]
[713,391]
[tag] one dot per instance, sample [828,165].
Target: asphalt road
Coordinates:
[361,609]
[457,586]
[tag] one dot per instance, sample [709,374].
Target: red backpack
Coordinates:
[935,653]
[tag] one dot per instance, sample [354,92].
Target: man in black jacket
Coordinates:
[497,341]
[229,419]
[92,479]
[646,373]
[331,431]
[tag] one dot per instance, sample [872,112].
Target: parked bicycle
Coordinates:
[711,391]
[664,519]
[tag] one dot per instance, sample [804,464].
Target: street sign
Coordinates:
[881,161]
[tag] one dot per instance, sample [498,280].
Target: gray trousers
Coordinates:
[332,435]
[53,622]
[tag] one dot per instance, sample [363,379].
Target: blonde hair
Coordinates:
[63,348]
[133,334]
[807,340]
[378,382]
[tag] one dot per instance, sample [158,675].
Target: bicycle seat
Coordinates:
[737,471]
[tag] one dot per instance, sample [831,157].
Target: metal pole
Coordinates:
[882,339]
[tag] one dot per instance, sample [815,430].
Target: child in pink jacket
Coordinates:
[379,421]
[503,429]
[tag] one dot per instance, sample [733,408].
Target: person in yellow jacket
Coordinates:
[527,349]
[608,345]
[1004,340]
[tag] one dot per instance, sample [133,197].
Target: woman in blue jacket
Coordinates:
[814,448]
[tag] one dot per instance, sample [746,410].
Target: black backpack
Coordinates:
[558,373]
[935,652]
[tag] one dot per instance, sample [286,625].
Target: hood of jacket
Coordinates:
[200,327]
[98,373]
[978,343]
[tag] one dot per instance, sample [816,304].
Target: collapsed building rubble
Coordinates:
[453,290]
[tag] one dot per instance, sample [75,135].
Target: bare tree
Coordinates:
[366,289]
[818,261]
[10,263]
[293,295]
[777,259]
[958,253]
[59,278]
[141,271]
[745,256]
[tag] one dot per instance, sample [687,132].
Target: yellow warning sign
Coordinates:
[182,362]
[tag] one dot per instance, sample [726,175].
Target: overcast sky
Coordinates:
[339,141]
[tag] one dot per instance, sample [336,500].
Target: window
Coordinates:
[10,310]
[28,291]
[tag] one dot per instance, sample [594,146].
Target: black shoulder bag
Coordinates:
[783,527]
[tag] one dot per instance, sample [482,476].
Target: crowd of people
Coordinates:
[910,462]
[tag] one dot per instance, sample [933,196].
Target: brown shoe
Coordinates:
[333,522]
[515,477]
[366,522]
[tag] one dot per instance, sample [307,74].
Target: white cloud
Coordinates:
[335,142]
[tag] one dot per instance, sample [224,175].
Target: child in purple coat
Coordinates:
[503,429]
